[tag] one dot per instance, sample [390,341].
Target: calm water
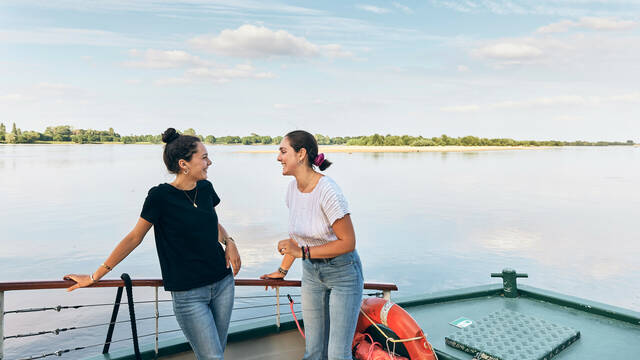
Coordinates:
[425,221]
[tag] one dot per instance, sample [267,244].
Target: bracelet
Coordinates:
[282,271]
[303,254]
[109,268]
[91,277]
[225,239]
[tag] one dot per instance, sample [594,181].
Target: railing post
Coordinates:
[157,318]
[1,325]
[386,294]
[112,323]
[278,307]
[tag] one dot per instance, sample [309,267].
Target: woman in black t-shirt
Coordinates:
[195,267]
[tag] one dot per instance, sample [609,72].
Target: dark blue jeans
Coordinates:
[331,299]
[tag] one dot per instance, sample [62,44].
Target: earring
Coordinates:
[186,171]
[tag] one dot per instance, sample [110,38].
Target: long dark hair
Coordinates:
[299,139]
[178,147]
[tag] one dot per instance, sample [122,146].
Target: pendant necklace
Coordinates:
[194,197]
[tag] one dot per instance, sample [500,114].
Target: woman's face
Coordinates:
[289,158]
[199,163]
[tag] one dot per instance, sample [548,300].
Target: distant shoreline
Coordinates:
[341,148]
[407,149]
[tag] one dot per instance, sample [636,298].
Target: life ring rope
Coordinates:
[394,341]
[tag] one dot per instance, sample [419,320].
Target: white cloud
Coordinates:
[592,23]
[373,9]
[571,100]
[54,86]
[567,118]
[13,98]
[508,51]
[164,59]
[250,41]
[561,26]
[405,9]
[217,75]
[606,23]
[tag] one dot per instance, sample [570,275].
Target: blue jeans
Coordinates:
[204,314]
[331,298]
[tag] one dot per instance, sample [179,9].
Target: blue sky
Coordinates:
[544,69]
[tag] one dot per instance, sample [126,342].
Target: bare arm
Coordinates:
[122,250]
[346,242]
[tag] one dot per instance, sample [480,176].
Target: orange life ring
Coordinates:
[400,322]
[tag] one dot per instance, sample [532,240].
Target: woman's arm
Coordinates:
[122,250]
[343,228]
[231,254]
[285,265]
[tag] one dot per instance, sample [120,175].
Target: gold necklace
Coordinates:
[194,197]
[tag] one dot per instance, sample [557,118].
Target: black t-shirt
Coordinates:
[186,237]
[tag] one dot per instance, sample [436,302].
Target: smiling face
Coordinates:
[289,158]
[199,163]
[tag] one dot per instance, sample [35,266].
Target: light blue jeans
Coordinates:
[331,298]
[204,314]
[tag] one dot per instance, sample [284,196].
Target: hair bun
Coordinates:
[169,135]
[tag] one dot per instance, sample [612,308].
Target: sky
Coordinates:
[544,69]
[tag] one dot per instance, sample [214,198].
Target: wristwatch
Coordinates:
[225,239]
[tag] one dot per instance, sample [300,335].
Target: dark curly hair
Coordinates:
[178,147]
[299,139]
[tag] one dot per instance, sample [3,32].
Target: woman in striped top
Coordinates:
[321,233]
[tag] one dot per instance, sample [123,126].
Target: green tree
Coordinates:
[14,130]
[3,131]
[189,131]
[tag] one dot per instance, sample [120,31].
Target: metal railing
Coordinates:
[383,290]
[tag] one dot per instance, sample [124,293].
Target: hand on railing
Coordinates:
[80,279]
[276,275]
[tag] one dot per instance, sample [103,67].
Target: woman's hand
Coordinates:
[289,247]
[81,281]
[276,275]
[232,256]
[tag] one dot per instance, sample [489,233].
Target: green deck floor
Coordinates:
[601,337]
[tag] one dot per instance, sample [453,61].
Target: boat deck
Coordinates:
[607,332]
[601,337]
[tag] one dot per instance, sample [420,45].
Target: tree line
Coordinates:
[66,133]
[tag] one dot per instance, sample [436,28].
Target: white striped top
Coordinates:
[312,214]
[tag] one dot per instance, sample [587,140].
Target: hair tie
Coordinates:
[319,159]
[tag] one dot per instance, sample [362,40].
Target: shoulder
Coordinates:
[328,185]
[205,184]
[159,190]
